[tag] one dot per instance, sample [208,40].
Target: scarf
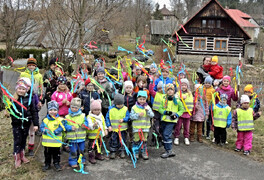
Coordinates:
[141,106]
[99,120]
[72,114]
[226,88]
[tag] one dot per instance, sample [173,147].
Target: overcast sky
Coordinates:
[162,2]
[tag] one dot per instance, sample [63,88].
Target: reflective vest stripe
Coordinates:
[50,141]
[245,119]
[220,119]
[156,105]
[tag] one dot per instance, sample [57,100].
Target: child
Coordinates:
[200,112]
[108,88]
[216,71]
[171,109]
[209,90]
[32,72]
[225,88]
[184,119]
[96,120]
[243,122]
[117,115]
[164,78]
[62,96]
[86,95]
[140,116]
[76,132]
[52,146]
[222,119]
[130,100]
[21,126]
[142,85]
[254,101]
[154,74]
[158,98]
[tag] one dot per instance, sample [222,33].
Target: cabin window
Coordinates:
[199,43]
[203,23]
[211,23]
[218,23]
[220,44]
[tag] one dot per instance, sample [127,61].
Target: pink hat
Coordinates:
[227,77]
[95,104]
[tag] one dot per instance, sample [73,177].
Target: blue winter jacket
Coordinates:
[168,80]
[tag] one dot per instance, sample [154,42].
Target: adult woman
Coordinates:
[202,71]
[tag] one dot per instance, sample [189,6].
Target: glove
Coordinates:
[45,132]
[174,116]
[168,113]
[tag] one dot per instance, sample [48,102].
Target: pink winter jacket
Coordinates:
[58,97]
[198,115]
[229,91]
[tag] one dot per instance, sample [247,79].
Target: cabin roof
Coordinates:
[240,17]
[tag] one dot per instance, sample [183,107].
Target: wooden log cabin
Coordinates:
[212,31]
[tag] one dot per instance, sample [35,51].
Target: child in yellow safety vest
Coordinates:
[76,126]
[243,122]
[96,120]
[140,116]
[52,128]
[116,121]
[222,119]
[171,109]
[158,97]
[254,101]
[187,100]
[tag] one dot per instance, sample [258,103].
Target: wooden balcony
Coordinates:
[212,31]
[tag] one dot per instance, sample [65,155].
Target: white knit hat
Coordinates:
[244,99]
[196,86]
[185,81]
[128,83]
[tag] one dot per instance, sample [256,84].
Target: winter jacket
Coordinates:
[229,91]
[229,117]
[209,91]
[59,97]
[200,112]
[38,81]
[51,87]
[109,89]
[86,97]
[107,118]
[216,71]
[234,119]
[167,81]
[202,73]
[130,101]
[256,105]
[31,113]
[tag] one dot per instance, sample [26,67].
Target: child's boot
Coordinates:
[122,154]
[57,167]
[23,158]
[91,157]
[46,167]
[17,160]
[167,154]
[112,155]
[135,150]
[144,152]
[99,156]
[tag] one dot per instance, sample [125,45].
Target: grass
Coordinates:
[26,171]
[257,152]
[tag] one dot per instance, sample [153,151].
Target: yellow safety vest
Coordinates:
[245,119]
[115,115]
[92,133]
[173,108]
[157,100]
[142,122]
[80,132]
[47,141]
[188,101]
[220,116]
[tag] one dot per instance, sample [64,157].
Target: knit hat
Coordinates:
[23,82]
[76,102]
[227,77]
[196,86]
[32,61]
[224,96]
[142,94]
[244,99]
[249,88]
[208,80]
[165,68]
[62,80]
[137,67]
[100,70]
[53,105]
[160,85]
[87,81]
[52,61]
[153,65]
[128,83]
[96,104]
[215,59]
[119,99]
[169,86]
[113,72]
[185,81]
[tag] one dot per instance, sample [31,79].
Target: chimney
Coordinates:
[226,7]
[164,6]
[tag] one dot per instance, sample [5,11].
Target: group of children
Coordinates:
[105,107]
